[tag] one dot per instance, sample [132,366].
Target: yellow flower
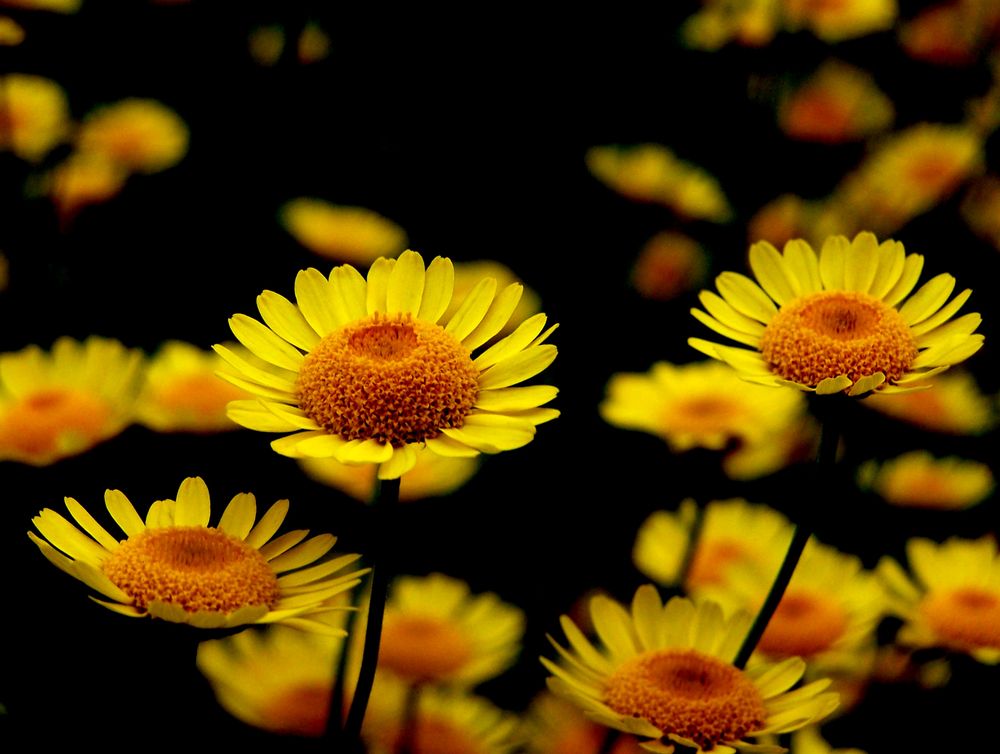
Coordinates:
[845,19]
[174,566]
[11,32]
[651,173]
[702,404]
[183,393]
[555,726]
[830,323]
[347,234]
[918,480]
[58,404]
[954,406]
[752,23]
[83,179]
[431,476]
[668,265]
[734,535]
[797,443]
[34,117]
[665,673]
[379,376]
[140,135]
[954,600]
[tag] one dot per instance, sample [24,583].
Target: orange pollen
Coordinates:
[805,624]
[391,378]
[833,333]
[39,422]
[300,710]
[964,617]
[193,567]
[422,648]
[689,694]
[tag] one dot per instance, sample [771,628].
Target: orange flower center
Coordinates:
[54,420]
[422,648]
[300,710]
[688,694]
[390,378]
[834,333]
[706,414]
[713,557]
[964,617]
[805,624]
[193,567]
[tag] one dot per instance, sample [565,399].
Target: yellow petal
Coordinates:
[265,343]
[268,525]
[123,513]
[439,285]
[238,517]
[472,310]
[378,284]
[314,297]
[406,284]
[286,319]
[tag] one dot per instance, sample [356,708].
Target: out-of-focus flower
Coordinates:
[953,601]
[951,33]
[919,480]
[266,43]
[785,218]
[980,208]
[668,265]
[837,103]
[34,115]
[665,672]
[183,393]
[431,476]
[809,741]
[82,179]
[703,404]
[174,566]
[652,173]
[836,21]
[954,405]
[753,23]
[346,234]
[797,442]
[56,6]
[467,277]
[314,44]
[829,323]
[140,135]
[555,726]
[734,534]
[62,403]
[11,32]
[379,376]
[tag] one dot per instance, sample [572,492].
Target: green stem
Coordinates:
[692,547]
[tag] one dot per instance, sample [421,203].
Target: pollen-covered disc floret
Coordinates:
[359,368]
[173,566]
[840,321]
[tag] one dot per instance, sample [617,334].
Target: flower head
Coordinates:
[360,370]
[665,672]
[956,406]
[347,234]
[34,117]
[837,321]
[844,19]
[919,480]
[140,135]
[668,265]
[174,566]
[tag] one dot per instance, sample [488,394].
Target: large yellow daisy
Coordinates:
[362,371]
[665,673]
[837,321]
[174,566]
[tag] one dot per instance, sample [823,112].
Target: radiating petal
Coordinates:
[268,525]
[406,284]
[265,343]
[286,319]
[238,517]
[378,284]
[472,310]
[439,285]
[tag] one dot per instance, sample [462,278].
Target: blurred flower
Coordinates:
[809,741]
[829,323]
[346,234]
[665,673]
[918,480]
[34,115]
[555,726]
[431,476]
[266,43]
[788,217]
[140,135]
[11,32]
[58,404]
[83,179]
[703,404]
[467,277]
[954,599]
[375,344]
[56,6]
[954,405]
[980,208]
[174,566]
[183,393]
[669,264]
[651,173]
[796,442]
[734,535]
[837,21]
[753,23]
[314,44]
[952,33]
[837,103]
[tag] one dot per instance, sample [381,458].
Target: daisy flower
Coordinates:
[140,135]
[347,234]
[837,322]
[956,406]
[61,403]
[665,673]
[174,566]
[953,599]
[361,371]
[34,117]
[919,480]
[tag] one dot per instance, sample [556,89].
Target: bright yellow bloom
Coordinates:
[954,406]
[919,480]
[652,173]
[34,117]
[838,322]
[174,566]
[703,404]
[844,19]
[346,234]
[62,403]
[555,726]
[954,599]
[665,672]
[140,135]
[183,393]
[668,265]
[361,371]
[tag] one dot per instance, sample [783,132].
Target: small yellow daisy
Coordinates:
[956,406]
[174,566]
[953,601]
[140,135]
[829,323]
[919,480]
[347,234]
[361,371]
[34,117]
[665,672]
